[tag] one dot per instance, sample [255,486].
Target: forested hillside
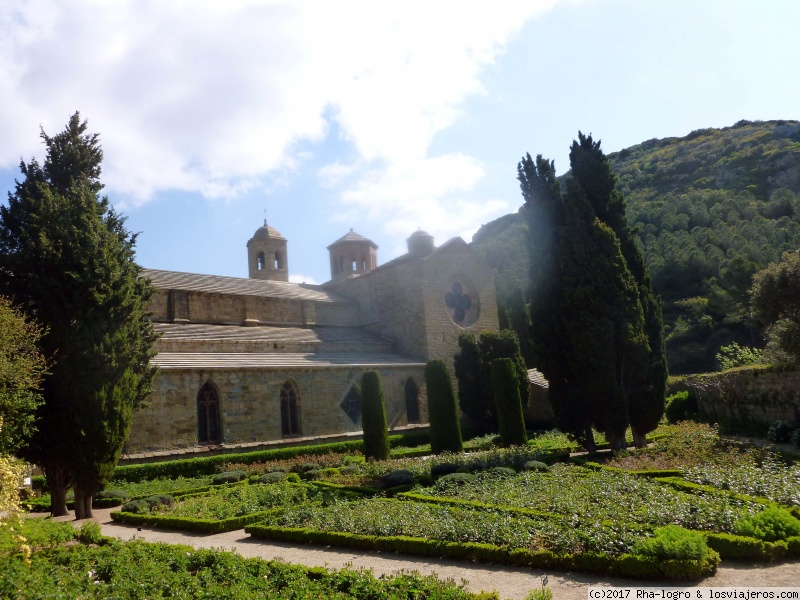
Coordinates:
[711,209]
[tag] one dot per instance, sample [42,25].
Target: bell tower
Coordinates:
[352,254]
[266,255]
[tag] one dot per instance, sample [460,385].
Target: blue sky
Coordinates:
[381,117]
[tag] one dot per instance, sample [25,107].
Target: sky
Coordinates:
[380,117]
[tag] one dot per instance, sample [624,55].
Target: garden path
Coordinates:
[510,582]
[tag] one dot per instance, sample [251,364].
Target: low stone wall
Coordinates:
[755,397]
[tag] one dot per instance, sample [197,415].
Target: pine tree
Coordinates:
[68,261]
[442,410]
[373,417]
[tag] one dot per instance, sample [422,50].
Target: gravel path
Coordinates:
[510,582]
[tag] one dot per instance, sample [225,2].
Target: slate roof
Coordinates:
[328,335]
[239,286]
[168,361]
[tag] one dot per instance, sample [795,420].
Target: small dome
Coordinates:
[266,232]
[420,233]
[420,243]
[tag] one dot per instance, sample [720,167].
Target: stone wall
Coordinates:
[755,396]
[249,404]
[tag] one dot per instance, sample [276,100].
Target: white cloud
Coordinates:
[209,96]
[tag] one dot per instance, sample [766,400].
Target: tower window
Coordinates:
[278,261]
[260,261]
[355,266]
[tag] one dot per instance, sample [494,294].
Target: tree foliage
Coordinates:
[67,260]
[22,368]
[708,210]
[373,417]
[473,368]
[596,330]
[776,303]
[442,409]
[509,407]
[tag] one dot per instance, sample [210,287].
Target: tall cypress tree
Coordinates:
[68,261]
[596,326]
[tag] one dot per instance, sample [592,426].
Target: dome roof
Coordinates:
[420,233]
[352,236]
[266,232]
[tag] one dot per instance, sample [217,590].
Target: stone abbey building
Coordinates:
[243,362]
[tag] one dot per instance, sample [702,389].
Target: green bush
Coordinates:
[445,429]
[112,494]
[673,542]
[457,478]
[136,507]
[680,406]
[443,469]
[273,477]
[504,471]
[535,465]
[506,398]
[771,524]
[779,432]
[795,439]
[373,417]
[293,478]
[90,533]
[738,547]
[228,477]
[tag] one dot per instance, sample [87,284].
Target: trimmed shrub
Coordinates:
[509,407]
[396,478]
[293,478]
[771,524]
[680,406]
[112,494]
[443,469]
[445,429]
[273,477]
[158,500]
[673,542]
[228,477]
[535,465]
[137,507]
[457,478]
[373,417]
[504,471]
[779,432]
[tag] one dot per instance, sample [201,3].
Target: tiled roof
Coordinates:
[330,335]
[352,236]
[218,284]
[231,361]
[536,378]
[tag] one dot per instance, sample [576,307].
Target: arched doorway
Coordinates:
[290,420]
[208,429]
[412,401]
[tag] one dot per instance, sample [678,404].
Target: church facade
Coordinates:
[244,362]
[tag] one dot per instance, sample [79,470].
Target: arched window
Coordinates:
[208,429]
[412,401]
[290,421]
[355,265]
[278,261]
[261,262]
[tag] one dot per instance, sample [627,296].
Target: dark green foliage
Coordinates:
[443,469]
[680,406]
[442,410]
[273,477]
[509,407]
[771,524]
[457,478]
[673,542]
[535,465]
[596,326]
[373,417]
[504,471]
[709,211]
[795,437]
[67,260]
[396,478]
[740,547]
[137,507]
[303,467]
[779,432]
[473,369]
[520,323]
[228,477]
[90,533]
[776,303]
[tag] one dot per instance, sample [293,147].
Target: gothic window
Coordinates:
[462,303]
[290,422]
[208,429]
[278,260]
[261,262]
[412,401]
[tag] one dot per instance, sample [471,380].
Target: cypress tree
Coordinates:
[373,417]
[67,260]
[509,407]
[520,323]
[442,410]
